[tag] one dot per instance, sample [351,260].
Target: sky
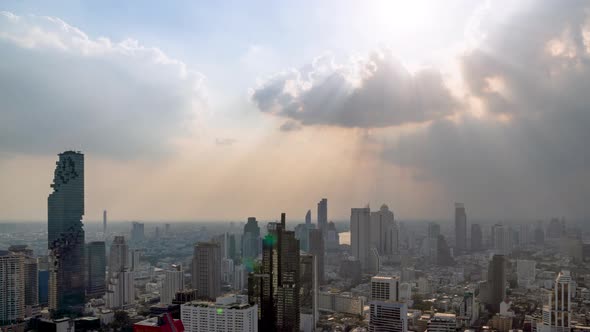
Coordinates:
[223,110]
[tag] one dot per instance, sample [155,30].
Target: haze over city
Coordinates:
[218,111]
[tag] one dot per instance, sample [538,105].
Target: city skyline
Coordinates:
[229,114]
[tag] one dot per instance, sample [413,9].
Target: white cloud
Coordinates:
[60,88]
[374,92]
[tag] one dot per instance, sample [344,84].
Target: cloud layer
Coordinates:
[60,88]
[528,155]
[373,92]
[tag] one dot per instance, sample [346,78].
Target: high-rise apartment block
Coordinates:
[12,288]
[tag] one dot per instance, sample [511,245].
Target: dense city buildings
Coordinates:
[65,208]
[460,228]
[206,269]
[31,274]
[96,269]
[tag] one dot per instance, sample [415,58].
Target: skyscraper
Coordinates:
[137,232]
[323,214]
[96,269]
[104,224]
[276,289]
[460,228]
[388,316]
[118,256]
[316,248]
[206,270]
[359,234]
[558,308]
[383,231]
[121,281]
[476,238]
[12,288]
[66,235]
[173,282]
[285,275]
[496,283]
[250,242]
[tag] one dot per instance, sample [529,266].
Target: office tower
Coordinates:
[442,322]
[431,245]
[65,208]
[276,288]
[502,240]
[526,272]
[240,279]
[250,241]
[118,256]
[173,282]
[476,238]
[121,281]
[157,233]
[460,228]
[558,309]
[496,282]
[134,259]
[444,257]
[405,291]
[227,270]
[260,294]
[316,248]
[331,237]
[323,214]
[306,280]
[359,234]
[308,218]
[388,316]
[302,234]
[286,275]
[31,274]
[383,231]
[12,288]
[232,254]
[384,288]
[137,232]
[96,269]
[226,314]
[104,224]
[167,229]
[206,269]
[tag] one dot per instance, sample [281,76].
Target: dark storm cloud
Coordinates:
[376,92]
[534,71]
[59,89]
